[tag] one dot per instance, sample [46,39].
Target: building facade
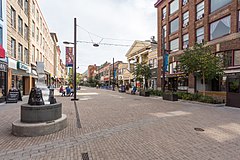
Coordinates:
[3,48]
[182,23]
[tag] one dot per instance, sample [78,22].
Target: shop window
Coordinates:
[185,19]
[174,45]
[174,25]
[200,35]
[200,10]
[237,58]
[174,6]
[220,28]
[233,85]
[164,13]
[216,4]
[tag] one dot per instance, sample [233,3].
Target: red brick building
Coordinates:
[92,70]
[186,22]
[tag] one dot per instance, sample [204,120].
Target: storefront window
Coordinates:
[2,84]
[220,28]
[216,4]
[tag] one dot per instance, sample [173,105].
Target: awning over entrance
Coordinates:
[2,52]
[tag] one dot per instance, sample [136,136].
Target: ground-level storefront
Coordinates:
[3,80]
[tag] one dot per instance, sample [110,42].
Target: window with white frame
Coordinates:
[174,6]
[237,58]
[220,28]
[20,25]
[184,2]
[185,19]
[174,45]
[200,35]
[13,47]
[13,17]
[200,10]
[164,29]
[217,4]
[164,13]
[174,25]
[26,59]
[20,52]
[185,41]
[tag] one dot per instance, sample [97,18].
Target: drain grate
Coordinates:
[199,129]
[85,156]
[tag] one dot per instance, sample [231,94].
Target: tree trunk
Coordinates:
[204,87]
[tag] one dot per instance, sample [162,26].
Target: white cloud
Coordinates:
[119,19]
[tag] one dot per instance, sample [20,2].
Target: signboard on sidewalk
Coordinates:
[69,56]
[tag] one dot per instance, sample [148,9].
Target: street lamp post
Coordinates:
[113,83]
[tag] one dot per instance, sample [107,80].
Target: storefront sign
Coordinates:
[12,63]
[22,66]
[3,67]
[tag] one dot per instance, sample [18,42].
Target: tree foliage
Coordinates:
[200,61]
[142,72]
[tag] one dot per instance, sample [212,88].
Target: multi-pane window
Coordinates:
[200,35]
[20,2]
[220,28]
[164,30]
[185,41]
[37,35]
[184,2]
[25,32]
[13,47]
[164,12]
[26,6]
[13,17]
[185,18]
[237,58]
[20,25]
[174,25]
[33,53]
[41,57]
[216,4]
[200,10]
[40,23]
[1,35]
[174,6]
[26,55]
[37,16]
[40,39]
[20,52]
[33,8]
[174,45]
[33,29]
[38,55]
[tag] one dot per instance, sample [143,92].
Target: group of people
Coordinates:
[69,91]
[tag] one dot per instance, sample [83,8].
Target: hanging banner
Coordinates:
[166,62]
[69,56]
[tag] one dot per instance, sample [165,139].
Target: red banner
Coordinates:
[69,56]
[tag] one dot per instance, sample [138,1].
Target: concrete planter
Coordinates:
[144,93]
[170,97]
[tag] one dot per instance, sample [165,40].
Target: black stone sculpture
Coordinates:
[35,97]
[51,97]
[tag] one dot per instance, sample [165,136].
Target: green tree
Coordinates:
[201,61]
[142,72]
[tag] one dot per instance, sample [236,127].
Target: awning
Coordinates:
[2,52]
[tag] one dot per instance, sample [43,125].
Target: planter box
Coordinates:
[144,93]
[170,97]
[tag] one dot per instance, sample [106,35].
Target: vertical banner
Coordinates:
[166,62]
[69,56]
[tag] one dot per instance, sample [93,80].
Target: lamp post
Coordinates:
[113,83]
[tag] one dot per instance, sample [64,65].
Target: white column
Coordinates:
[129,65]
[140,59]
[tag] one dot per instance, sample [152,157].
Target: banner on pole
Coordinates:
[69,56]
[166,62]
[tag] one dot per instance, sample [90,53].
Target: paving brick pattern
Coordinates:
[127,127]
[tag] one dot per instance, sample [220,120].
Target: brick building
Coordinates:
[186,22]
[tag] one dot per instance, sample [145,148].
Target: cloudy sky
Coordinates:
[116,21]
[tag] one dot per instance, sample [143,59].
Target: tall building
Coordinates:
[3,48]
[182,23]
[28,41]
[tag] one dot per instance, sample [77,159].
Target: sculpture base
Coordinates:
[22,129]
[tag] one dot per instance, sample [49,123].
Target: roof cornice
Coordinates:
[158,3]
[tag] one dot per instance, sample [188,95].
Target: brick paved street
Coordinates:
[116,126]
